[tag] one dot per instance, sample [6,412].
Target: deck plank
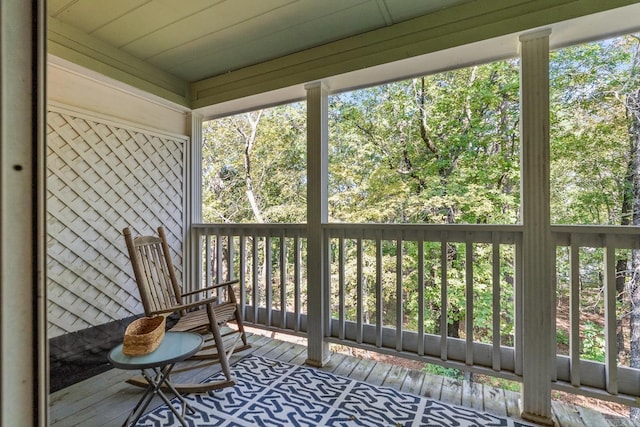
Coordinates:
[378,373]
[451,391]
[432,386]
[106,399]
[413,382]
[280,352]
[362,369]
[512,401]
[86,394]
[473,395]
[346,366]
[395,377]
[334,364]
[592,418]
[567,415]
[494,401]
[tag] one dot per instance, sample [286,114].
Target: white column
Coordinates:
[23,339]
[193,170]
[317,214]
[537,355]
[192,193]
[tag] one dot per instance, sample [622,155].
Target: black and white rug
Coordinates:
[273,393]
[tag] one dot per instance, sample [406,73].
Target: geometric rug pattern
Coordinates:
[273,393]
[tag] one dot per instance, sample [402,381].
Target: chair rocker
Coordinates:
[197,311]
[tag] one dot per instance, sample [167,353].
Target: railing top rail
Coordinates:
[597,229]
[584,235]
[249,226]
[597,236]
[431,227]
[475,233]
[479,233]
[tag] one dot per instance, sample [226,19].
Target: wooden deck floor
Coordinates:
[105,400]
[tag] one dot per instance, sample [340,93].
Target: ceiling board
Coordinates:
[90,15]
[196,39]
[220,51]
[174,44]
[402,10]
[201,25]
[149,18]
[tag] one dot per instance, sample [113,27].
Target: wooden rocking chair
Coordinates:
[161,294]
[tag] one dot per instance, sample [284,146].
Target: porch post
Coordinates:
[192,206]
[23,325]
[537,310]
[317,170]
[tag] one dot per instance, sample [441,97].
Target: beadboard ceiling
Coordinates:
[195,39]
[224,56]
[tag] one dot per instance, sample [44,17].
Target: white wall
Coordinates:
[115,159]
[74,86]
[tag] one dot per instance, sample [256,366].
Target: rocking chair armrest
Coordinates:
[210,288]
[184,306]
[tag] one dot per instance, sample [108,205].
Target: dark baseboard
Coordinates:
[80,355]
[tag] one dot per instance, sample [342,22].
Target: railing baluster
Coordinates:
[574,312]
[208,261]
[469,298]
[519,302]
[326,273]
[283,281]
[443,296]
[554,298]
[231,256]
[496,306]
[610,298]
[268,274]
[399,291]
[297,293]
[341,289]
[379,288]
[359,299]
[242,274]
[219,257]
[420,337]
[255,248]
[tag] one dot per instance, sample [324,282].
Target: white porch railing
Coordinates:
[609,379]
[375,272]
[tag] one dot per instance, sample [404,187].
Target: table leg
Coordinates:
[185,404]
[164,379]
[155,383]
[143,402]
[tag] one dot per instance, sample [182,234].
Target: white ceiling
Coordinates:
[195,39]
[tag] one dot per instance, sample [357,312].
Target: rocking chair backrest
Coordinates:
[153,270]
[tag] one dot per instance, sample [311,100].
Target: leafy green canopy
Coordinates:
[437,149]
[590,130]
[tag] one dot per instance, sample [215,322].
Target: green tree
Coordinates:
[436,149]
[254,166]
[595,164]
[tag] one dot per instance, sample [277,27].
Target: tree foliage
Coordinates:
[254,167]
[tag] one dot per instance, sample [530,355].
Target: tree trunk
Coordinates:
[248,146]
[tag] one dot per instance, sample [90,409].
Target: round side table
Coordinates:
[156,367]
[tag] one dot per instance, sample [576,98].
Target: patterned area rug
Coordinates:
[273,393]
